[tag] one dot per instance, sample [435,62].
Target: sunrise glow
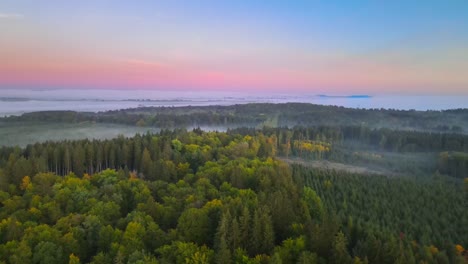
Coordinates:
[224,45]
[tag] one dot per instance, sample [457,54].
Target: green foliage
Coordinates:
[193,226]
[185,252]
[196,197]
[48,252]
[314,203]
[339,252]
[375,212]
[291,250]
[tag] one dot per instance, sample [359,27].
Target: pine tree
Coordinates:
[262,233]
[146,163]
[339,253]
[245,226]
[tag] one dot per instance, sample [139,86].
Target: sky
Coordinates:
[336,47]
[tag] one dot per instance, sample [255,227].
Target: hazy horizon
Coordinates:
[19,101]
[240,91]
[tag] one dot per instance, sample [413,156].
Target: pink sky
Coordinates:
[99,49]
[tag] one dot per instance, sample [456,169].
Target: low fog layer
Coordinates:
[17,102]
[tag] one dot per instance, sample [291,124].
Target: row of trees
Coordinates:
[166,156]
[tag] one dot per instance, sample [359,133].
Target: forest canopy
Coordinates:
[219,197]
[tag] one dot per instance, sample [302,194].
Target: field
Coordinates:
[336,166]
[22,134]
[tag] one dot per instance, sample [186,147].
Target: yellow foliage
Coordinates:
[213,203]
[35,201]
[297,228]
[263,258]
[73,259]
[459,249]
[312,146]
[190,199]
[183,168]
[206,149]
[26,183]
[357,260]
[197,258]
[86,176]
[269,161]
[74,183]
[34,211]
[192,148]
[133,176]
[433,250]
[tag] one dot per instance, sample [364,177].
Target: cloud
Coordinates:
[11,16]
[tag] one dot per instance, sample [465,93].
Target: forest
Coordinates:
[288,183]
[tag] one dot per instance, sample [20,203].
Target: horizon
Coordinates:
[344,48]
[19,101]
[285,92]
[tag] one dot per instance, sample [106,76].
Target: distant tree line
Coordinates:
[276,115]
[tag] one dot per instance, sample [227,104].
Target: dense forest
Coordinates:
[233,132]
[333,143]
[226,197]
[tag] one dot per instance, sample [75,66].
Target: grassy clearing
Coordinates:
[330,165]
[382,163]
[22,134]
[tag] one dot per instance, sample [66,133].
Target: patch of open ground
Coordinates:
[330,165]
[22,134]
